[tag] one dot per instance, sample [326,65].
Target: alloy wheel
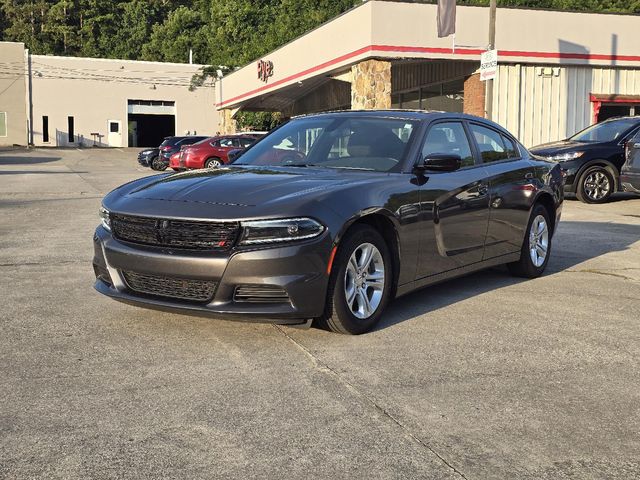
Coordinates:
[213,163]
[364,280]
[597,185]
[538,240]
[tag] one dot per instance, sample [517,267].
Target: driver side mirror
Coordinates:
[441,162]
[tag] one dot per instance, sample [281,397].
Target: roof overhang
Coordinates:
[396,30]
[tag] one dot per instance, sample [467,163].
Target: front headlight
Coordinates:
[147,152]
[104,217]
[565,157]
[284,230]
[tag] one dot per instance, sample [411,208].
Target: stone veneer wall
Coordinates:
[227,123]
[371,85]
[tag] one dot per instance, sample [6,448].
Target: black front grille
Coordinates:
[260,294]
[170,287]
[219,236]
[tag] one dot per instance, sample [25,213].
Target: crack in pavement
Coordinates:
[602,272]
[324,368]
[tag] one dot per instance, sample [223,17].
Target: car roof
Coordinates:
[419,115]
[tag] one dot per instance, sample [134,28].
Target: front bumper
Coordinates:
[145,160]
[630,182]
[299,269]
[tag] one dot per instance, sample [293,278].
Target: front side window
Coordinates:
[490,144]
[448,138]
[348,142]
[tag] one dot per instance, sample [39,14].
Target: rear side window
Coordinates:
[226,142]
[490,144]
[448,137]
[511,148]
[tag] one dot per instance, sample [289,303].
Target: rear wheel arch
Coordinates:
[546,200]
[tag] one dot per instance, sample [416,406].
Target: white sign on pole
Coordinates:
[488,65]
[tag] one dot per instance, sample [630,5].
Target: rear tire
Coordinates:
[360,282]
[213,163]
[536,247]
[596,185]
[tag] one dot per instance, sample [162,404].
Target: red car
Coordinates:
[210,153]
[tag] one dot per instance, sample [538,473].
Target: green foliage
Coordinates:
[258,121]
[220,32]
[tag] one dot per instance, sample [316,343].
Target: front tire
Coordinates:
[596,185]
[360,282]
[536,247]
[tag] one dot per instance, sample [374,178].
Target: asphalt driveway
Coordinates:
[479,378]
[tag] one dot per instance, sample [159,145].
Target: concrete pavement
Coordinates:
[482,377]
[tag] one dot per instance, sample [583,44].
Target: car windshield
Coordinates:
[607,131]
[348,142]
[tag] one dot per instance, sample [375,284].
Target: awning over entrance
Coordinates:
[393,31]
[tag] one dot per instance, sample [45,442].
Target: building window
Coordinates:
[71,132]
[446,96]
[114,127]
[45,129]
[3,124]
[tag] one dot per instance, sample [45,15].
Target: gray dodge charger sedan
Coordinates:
[328,218]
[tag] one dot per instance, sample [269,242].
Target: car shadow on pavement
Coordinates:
[574,243]
[26,160]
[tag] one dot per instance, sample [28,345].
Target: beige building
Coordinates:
[13,94]
[67,101]
[558,71]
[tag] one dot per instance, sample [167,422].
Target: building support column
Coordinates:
[474,93]
[371,85]
[227,123]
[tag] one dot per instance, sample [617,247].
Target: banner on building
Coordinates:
[446,17]
[488,65]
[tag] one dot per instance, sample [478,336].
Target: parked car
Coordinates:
[171,145]
[591,159]
[212,152]
[630,172]
[147,156]
[381,203]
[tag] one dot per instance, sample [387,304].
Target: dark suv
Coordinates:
[171,145]
[630,173]
[591,160]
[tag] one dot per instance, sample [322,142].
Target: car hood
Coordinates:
[560,147]
[234,191]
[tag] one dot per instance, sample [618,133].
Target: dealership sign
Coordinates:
[488,65]
[265,70]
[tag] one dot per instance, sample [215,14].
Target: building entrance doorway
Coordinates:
[609,106]
[150,121]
